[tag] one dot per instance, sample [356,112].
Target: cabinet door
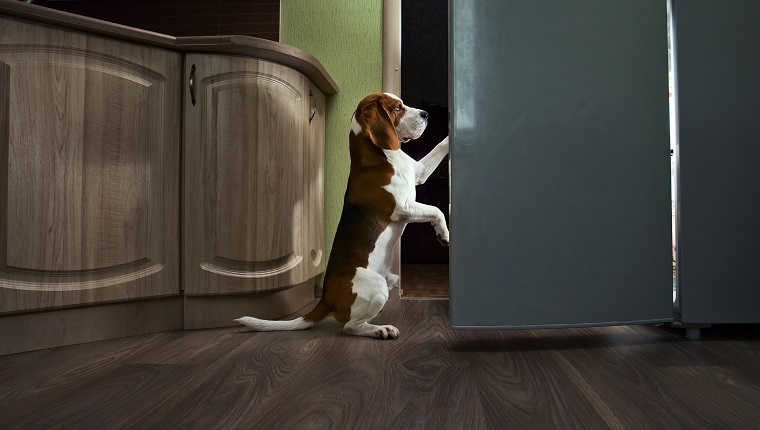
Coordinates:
[246,172]
[314,185]
[89,168]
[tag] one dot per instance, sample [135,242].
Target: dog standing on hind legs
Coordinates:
[379,202]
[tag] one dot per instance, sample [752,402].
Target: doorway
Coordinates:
[424,85]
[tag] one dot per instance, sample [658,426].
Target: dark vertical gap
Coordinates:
[424,84]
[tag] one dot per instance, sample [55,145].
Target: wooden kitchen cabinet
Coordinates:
[89,168]
[99,128]
[253,151]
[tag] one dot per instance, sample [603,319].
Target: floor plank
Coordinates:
[431,377]
[425,281]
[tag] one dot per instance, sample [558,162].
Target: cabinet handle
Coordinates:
[313,106]
[192,84]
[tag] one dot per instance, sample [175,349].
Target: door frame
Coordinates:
[392,83]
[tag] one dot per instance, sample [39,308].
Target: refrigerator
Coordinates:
[560,168]
[717,54]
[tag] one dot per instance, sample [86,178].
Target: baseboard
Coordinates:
[49,329]
[221,311]
[54,328]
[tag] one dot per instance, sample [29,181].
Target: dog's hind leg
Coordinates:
[392,280]
[371,292]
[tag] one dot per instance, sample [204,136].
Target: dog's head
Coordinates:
[385,120]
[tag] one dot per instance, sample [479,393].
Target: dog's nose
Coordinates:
[424,114]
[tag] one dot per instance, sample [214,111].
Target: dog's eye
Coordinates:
[398,108]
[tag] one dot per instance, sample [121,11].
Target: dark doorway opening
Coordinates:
[424,85]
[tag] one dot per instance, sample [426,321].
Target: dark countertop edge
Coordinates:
[236,45]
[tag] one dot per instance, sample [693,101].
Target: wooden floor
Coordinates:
[635,377]
[425,281]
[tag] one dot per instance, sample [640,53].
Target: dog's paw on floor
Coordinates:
[387,332]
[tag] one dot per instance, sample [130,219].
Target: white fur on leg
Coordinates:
[371,330]
[392,280]
[371,294]
[429,162]
[267,325]
[419,212]
[408,172]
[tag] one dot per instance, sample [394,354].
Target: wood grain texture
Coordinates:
[252,177]
[233,44]
[432,377]
[259,18]
[90,169]
[61,327]
[262,49]
[314,182]
[211,311]
[425,281]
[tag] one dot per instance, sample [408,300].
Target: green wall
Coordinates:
[346,36]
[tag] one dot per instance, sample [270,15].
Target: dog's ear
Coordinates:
[376,123]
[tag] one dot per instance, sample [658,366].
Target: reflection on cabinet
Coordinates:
[89,168]
[252,184]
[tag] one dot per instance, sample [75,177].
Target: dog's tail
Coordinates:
[320,312]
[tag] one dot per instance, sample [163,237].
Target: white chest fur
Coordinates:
[404,180]
[402,187]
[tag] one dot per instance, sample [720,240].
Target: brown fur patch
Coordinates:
[379,115]
[367,206]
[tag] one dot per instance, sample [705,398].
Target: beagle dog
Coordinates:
[379,202]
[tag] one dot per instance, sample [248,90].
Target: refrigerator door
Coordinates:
[560,165]
[719,88]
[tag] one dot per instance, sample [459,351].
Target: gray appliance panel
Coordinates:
[560,167]
[718,56]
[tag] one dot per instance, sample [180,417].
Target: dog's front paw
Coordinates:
[441,230]
[442,241]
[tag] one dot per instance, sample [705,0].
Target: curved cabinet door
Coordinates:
[89,169]
[314,186]
[246,167]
